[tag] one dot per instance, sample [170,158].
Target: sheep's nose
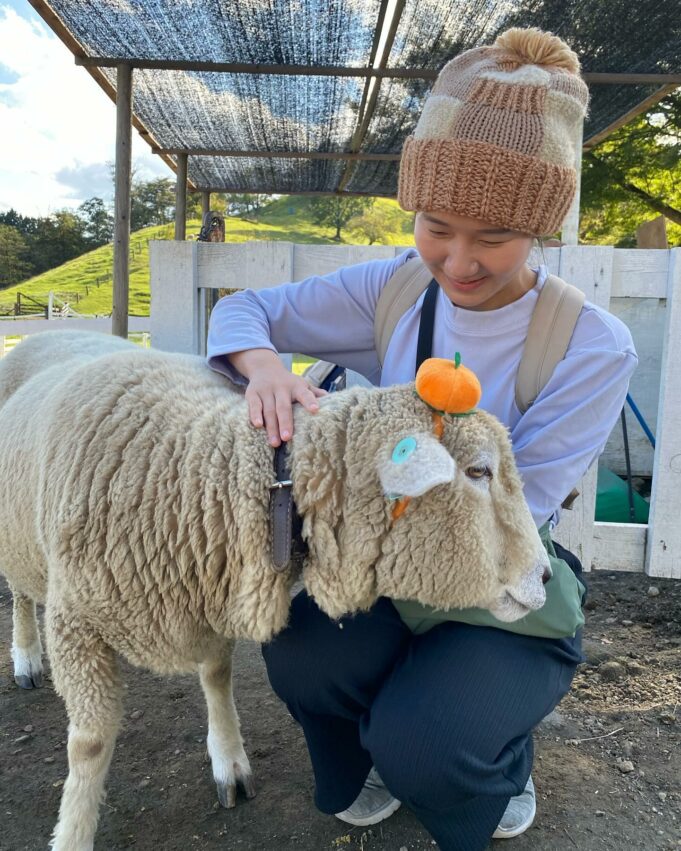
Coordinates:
[546,576]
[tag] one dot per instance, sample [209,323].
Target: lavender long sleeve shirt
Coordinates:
[332,317]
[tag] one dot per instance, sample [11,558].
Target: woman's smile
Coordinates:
[466,286]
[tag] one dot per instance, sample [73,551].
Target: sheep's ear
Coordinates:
[414,465]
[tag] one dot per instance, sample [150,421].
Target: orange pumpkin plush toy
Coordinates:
[446,387]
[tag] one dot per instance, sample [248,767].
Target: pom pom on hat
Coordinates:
[534,47]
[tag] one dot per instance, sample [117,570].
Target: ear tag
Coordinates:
[404,450]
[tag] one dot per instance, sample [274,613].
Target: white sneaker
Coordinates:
[373,804]
[519,814]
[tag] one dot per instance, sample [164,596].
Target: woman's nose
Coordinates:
[460,265]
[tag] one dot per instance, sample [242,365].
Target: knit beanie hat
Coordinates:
[497,139]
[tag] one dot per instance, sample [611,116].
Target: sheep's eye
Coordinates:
[479,472]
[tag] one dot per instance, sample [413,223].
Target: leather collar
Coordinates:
[285,522]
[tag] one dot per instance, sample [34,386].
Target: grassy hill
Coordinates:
[86,282]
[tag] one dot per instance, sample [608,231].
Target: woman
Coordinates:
[405,705]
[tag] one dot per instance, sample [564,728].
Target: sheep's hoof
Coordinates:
[35,680]
[227,795]
[249,786]
[227,791]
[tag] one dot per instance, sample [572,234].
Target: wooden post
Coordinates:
[181,198]
[570,233]
[119,313]
[663,552]
[652,234]
[205,203]
[589,268]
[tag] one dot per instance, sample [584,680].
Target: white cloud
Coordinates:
[56,122]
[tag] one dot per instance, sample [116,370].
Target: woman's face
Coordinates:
[479,266]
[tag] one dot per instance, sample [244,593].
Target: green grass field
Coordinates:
[86,282]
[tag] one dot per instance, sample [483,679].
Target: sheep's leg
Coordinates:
[225,745]
[27,650]
[85,673]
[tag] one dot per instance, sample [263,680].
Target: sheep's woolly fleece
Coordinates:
[150,492]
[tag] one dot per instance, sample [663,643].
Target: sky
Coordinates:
[57,126]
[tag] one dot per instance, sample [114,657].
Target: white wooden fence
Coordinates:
[642,287]
[22,326]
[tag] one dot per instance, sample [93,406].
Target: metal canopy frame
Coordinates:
[373,73]
[176,158]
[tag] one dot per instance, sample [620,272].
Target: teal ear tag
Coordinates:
[404,450]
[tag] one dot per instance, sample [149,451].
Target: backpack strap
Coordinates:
[424,344]
[553,322]
[397,296]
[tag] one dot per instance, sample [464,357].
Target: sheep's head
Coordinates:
[467,537]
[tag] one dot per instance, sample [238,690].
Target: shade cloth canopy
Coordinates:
[339,83]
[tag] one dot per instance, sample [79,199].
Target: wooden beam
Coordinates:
[259,68]
[615,78]
[644,105]
[286,155]
[205,204]
[373,86]
[119,313]
[181,198]
[275,191]
[380,21]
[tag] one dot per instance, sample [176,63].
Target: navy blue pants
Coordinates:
[446,717]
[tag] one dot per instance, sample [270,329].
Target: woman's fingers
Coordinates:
[271,406]
[255,410]
[307,397]
[284,409]
[269,409]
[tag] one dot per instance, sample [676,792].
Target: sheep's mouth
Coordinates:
[508,608]
[516,604]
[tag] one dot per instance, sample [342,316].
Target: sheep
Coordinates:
[134,504]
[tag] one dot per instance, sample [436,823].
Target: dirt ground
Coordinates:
[608,767]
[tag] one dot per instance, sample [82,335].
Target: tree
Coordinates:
[377,224]
[244,204]
[14,265]
[57,238]
[633,175]
[152,202]
[337,210]
[98,222]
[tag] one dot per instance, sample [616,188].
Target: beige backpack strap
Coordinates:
[548,337]
[397,296]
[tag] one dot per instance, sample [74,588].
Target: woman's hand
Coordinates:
[271,392]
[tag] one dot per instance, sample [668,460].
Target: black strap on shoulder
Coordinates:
[424,346]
